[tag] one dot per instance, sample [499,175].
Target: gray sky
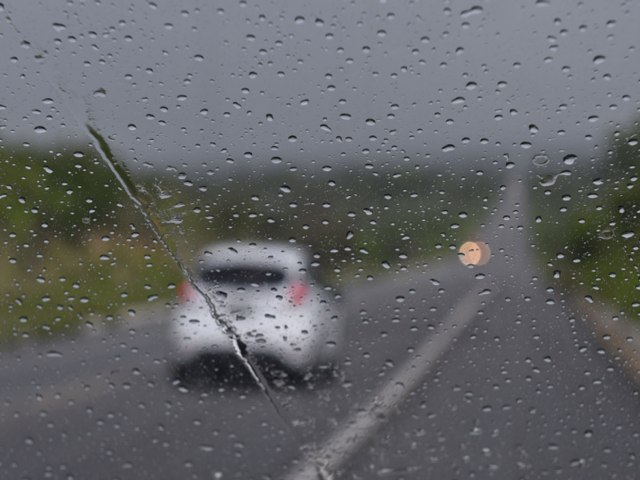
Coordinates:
[325,82]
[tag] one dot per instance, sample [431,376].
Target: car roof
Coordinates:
[283,256]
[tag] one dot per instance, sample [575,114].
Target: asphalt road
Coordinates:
[519,388]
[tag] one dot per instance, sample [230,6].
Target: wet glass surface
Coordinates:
[428,213]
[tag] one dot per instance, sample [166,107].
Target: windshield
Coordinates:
[462,176]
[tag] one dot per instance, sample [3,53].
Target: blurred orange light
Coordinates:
[474,253]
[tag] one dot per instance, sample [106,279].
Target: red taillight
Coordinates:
[298,292]
[186,292]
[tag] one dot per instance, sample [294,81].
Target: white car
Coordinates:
[265,292]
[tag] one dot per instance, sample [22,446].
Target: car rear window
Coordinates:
[242,276]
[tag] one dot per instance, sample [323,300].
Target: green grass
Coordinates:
[57,289]
[589,231]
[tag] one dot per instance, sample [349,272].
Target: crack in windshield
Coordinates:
[127,185]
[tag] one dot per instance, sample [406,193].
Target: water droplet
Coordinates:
[540,159]
[605,234]
[569,159]
[54,354]
[324,127]
[598,59]
[548,180]
[627,235]
[99,93]
[448,148]
[474,10]
[577,462]
[40,129]
[299,20]
[533,128]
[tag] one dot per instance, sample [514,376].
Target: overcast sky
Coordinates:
[325,82]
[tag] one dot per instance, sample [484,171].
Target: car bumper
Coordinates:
[298,349]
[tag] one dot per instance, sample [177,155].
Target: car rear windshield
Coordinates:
[242,276]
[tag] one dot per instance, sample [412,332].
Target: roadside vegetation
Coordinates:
[588,224]
[75,251]
[357,221]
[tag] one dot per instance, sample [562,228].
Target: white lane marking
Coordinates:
[323,462]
